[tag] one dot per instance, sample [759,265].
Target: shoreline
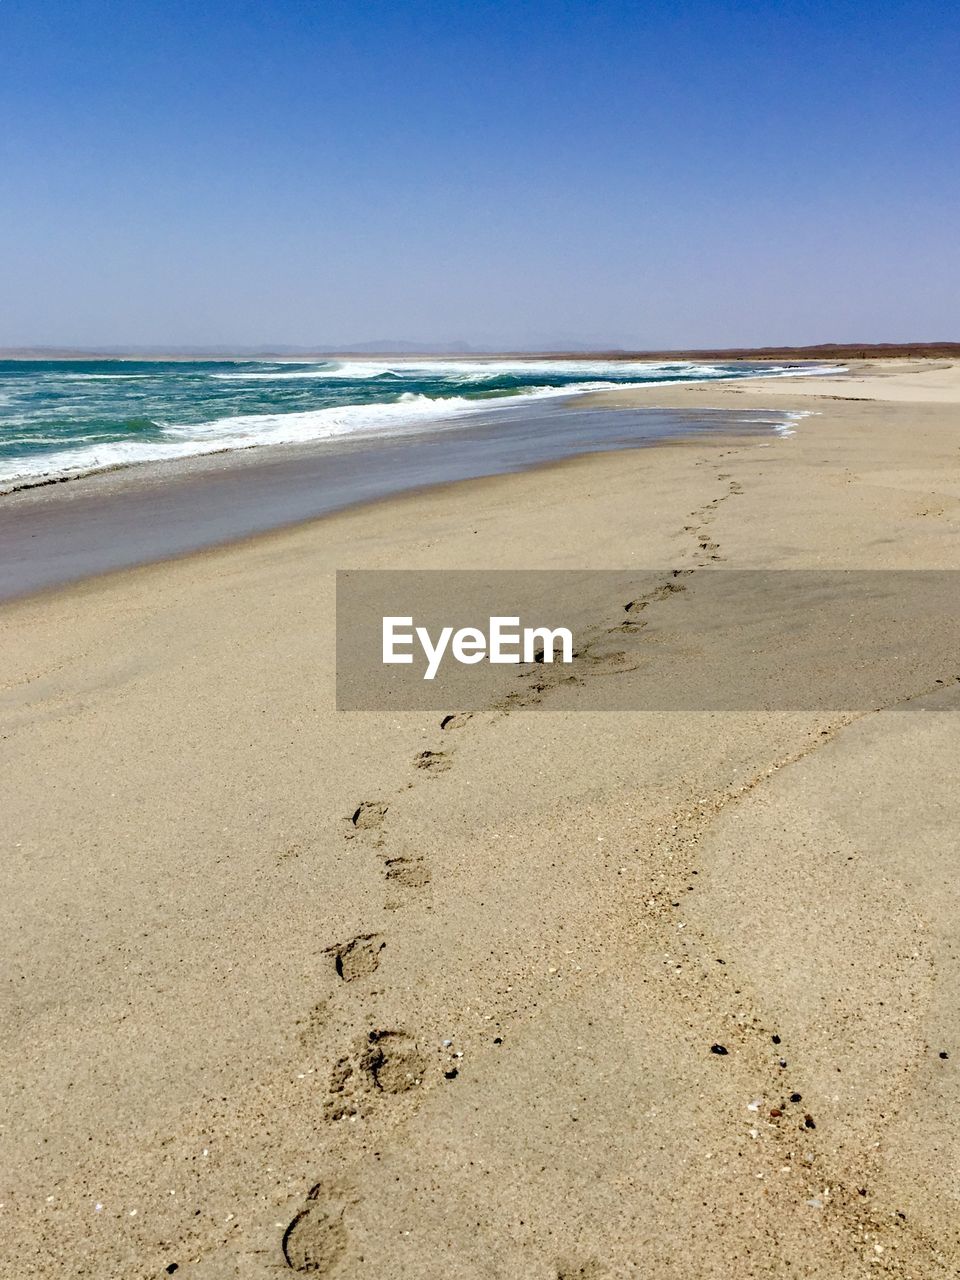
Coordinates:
[37,520]
[480,405]
[150,512]
[220,893]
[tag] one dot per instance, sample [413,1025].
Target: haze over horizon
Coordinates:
[519,176]
[401,348]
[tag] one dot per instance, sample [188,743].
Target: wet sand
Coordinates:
[286,994]
[56,532]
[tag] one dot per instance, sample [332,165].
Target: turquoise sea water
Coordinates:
[70,417]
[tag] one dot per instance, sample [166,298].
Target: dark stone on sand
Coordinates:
[719,1049]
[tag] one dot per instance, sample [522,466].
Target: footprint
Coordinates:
[380,1062]
[456,721]
[369,815]
[411,873]
[630,626]
[357,958]
[313,1024]
[316,1238]
[392,1062]
[435,761]
[659,593]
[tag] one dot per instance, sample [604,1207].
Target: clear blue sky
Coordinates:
[223,171]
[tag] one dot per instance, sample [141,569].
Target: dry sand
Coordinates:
[227,1002]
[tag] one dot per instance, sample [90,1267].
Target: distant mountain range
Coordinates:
[380,346]
[402,347]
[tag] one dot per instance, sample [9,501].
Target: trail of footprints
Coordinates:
[598,656]
[385,1063]
[708,550]
[381,1062]
[388,1062]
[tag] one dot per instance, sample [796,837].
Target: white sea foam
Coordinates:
[97,377]
[410,413]
[487,370]
[470,370]
[241,432]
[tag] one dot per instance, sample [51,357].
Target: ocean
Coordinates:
[65,418]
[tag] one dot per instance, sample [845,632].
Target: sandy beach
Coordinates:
[507,994]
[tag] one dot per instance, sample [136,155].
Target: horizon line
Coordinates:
[173,353]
